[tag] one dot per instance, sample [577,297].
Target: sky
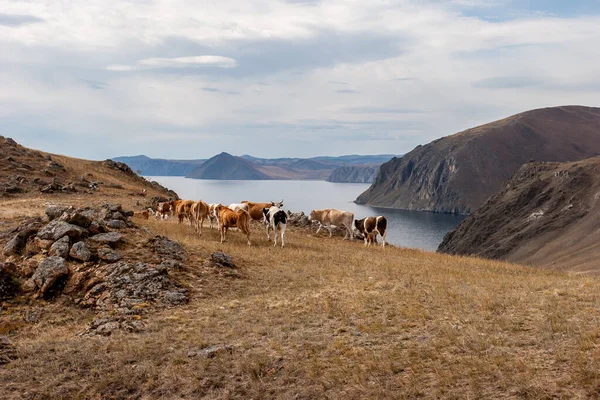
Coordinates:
[283,78]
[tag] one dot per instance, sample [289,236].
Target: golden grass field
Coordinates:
[324,318]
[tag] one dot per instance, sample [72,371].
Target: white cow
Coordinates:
[277,218]
[332,217]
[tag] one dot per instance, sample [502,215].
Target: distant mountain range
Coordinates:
[349,168]
[458,173]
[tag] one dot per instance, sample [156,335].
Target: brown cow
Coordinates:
[233,219]
[256,209]
[199,212]
[183,209]
[370,227]
[331,216]
[142,214]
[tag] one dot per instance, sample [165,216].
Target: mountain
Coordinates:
[159,167]
[547,214]
[226,166]
[354,174]
[458,173]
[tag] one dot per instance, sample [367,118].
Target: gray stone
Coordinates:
[221,259]
[97,227]
[54,211]
[117,215]
[175,297]
[57,229]
[48,272]
[166,248]
[110,238]
[80,251]
[60,248]
[210,351]
[107,329]
[116,224]
[76,218]
[108,254]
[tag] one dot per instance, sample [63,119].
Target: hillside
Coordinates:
[159,167]
[320,318]
[354,174]
[458,173]
[226,166]
[548,215]
[27,173]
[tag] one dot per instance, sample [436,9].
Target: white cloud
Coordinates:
[177,62]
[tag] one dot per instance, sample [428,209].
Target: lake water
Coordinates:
[415,229]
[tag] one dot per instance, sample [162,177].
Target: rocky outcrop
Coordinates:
[355,174]
[48,273]
[547,214]
[458,173]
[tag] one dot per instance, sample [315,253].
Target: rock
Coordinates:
[54,211]
[53,187]
[166,248]
[48,273]
[60,248]
[117,215]
[110,238]
[210,351]
[15,245]
[57,229]
[108,254]
[221,259]
[8,352]
[80,251]
[8,284]
[175,297]
[54,165]
[43,243]
[107,328]
[76,218]
[113,207]
[116,224]
[97,227]
[28,267]
[26,229]
[128,214]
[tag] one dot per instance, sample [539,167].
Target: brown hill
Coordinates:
[547,215]
[30,174]
[458,173]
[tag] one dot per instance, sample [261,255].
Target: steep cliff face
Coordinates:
[357,174]
[458,173]
[547,214]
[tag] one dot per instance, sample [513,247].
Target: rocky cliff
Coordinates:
[547,214]
[458,173]
[355,174]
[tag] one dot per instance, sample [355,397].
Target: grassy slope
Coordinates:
[328,318]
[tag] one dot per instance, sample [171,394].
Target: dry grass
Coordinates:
[325,318]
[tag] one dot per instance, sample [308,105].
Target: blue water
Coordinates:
[415,229]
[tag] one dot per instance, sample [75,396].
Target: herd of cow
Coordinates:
[239,215]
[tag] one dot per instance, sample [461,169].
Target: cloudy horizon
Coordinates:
[288,78]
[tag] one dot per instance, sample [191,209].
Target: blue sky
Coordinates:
[103,78]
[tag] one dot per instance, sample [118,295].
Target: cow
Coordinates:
[183,209]
[233,219]
[238,206]
[142,214]
[370,227]
[276,217]
[331,216]
[256,209]
[163,210]
[199,211]
[212,214]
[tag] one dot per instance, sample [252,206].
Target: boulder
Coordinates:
[60,248]
[166,248]
[97,227]
[54,211]
[48,273]
[57,229]
[221,259]
[76,218]
[80,251]
[110,238]
[16,244]
[107,254]
[116,224]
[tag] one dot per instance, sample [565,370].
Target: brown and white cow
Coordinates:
[142,214]
[277,218]
[370,227]
[256,209]
[212,214]
[233,219]
[163,210]
[331,217]
[199,212]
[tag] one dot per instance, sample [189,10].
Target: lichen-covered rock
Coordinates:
[107,254]
[80,251]
[26,229]
[57,229]
[221,259]
[54,211]
[48,273]
[110,238]
[76,218]
[60,248]
[166,248]
[116,224]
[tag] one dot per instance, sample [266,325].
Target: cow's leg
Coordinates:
[274,235]
[383,238]
[282,227]
[330,230]
[201,223]
[320,226]
[268,236]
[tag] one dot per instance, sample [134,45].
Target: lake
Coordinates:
[423,230]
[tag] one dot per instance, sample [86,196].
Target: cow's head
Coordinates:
[358,225]
[313,215]
[277,204]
